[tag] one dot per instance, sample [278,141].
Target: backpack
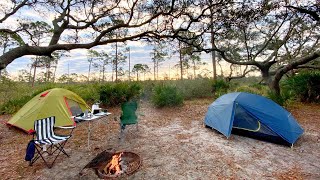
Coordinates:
[30,150]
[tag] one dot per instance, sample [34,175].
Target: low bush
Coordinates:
[279,99]
[304,86]
[166,95]
[14,105]
[14,95]
[220,87]
[191,89]
[88,92]
[115,94]
[257,86]
[147,89]
[254,89]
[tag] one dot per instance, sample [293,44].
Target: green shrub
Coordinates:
[14,95]
[166,95]
[258,86]
[147,89]
[115,94]
[276,98]
[220,87]
[14,105]
[40,89]
[191,89]
[88,92]
[304,86]
[254,89]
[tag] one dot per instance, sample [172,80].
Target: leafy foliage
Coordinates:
[115,94]
[220,87]
[140,68]
[166,95]
[253,88]
[12,101]
[191,89]
[88,92]
[19,98]
[305,86]
[280,99]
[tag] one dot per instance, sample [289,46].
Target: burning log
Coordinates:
[116,166]
[112,165]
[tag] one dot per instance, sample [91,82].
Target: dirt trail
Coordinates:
[173,144]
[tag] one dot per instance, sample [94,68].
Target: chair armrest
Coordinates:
[66,127]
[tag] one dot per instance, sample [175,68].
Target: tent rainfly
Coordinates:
[253,116]
[58,102]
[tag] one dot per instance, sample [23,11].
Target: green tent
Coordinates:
[57,102]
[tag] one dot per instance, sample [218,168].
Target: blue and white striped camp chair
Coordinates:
[48,142]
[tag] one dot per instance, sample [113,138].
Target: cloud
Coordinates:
[18,64]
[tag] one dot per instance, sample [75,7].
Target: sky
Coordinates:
[77,62]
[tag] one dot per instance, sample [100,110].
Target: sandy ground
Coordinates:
[173,144]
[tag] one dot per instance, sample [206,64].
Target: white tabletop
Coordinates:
[102,114]
[93,117]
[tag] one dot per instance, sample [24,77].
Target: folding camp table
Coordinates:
[90,117]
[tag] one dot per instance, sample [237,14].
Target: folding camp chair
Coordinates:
[46,142]
[128,116]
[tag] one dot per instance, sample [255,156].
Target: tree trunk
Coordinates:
[180,56]
[89,71]
[154,69]
[213,53]
[103,69]
[48,71]
[266,75]
[30,74]
[194,70]
[275,84]
[68,73]
[214,67]
[116,62]
[112,71]
[129,65]
[275,87]
[157,69]
[54,74]
[4,50]
[34,71]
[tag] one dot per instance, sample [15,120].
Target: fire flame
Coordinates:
[114,166]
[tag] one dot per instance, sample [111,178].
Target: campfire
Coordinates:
[113,165]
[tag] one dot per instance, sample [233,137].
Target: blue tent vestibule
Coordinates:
[253,116]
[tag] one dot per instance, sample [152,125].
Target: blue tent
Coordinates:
[254,116]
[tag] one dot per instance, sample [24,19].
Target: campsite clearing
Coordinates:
[174,144]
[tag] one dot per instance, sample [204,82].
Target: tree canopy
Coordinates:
[272,36]
[72,24]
